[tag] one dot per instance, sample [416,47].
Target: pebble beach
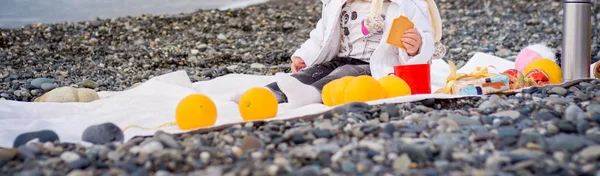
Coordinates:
[540,131]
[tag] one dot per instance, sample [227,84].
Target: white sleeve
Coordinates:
[310,49]
[419,15]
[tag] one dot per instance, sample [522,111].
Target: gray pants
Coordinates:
[320,74]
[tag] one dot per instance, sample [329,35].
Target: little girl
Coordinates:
[350,40]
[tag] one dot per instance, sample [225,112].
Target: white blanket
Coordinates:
[154,102]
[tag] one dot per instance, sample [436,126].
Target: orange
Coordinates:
[195,111]
[362,89]
[549,67]
[258,103]
[337,90]
[394,86]
[326,93]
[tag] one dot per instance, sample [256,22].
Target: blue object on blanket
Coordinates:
[42,136]
[103,134]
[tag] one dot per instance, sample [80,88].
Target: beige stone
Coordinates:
[69,94]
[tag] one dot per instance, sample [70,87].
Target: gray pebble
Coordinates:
[102,134]
[151,147]
[568,143]
[510,113]
[167,139]
[68,157]
[37,83]
[48,86]
[559,90]
[32,172]
[89,84]
[507,131]
[574,112]
[348,167]
[593,108]
[79,163]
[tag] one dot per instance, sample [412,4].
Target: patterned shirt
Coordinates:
[354,43]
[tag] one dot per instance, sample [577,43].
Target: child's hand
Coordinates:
[412,41]
[297,64]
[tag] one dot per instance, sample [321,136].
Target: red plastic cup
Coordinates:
[417,76]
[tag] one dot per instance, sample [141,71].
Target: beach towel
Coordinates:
[154,102]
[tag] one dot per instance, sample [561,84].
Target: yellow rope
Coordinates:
[169,124]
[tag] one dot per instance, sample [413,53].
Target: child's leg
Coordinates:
[300,94]
[346,70]
[306,76]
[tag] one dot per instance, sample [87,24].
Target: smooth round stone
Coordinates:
[566,126]
[151,147]
[487,120]
[582,126]
[89,84]
[573,112]
[48,86]
[389,129]
[348,167]
[37,83]
[596,118]
[42,136]
[32,172]
[29,151]
[309,170]
[358,107]
[251,143]
[552,129]
[102,134]
[559,90]
[384,117]
[68,157]
[79,163]
[8,154]
[593,108]
[392,110]
[167,139]
[568,143]
[507,131]
[77,173]
[582,96]
[545,116]
[322,133]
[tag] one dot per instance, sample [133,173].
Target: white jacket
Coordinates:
[324,41]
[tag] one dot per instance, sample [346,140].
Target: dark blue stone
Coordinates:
[140,172]
[79,163]
[389,129]
[566,127]
[582,126]
[102,134]
[392,110]
[487,120]
[596,118]
[568,143]
[42,136]
[358,107]
[507,131]
[298,139]
[322,133]
[545,116]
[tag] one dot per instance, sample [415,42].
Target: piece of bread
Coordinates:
[399,26]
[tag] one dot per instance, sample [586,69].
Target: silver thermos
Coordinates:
[577,39]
